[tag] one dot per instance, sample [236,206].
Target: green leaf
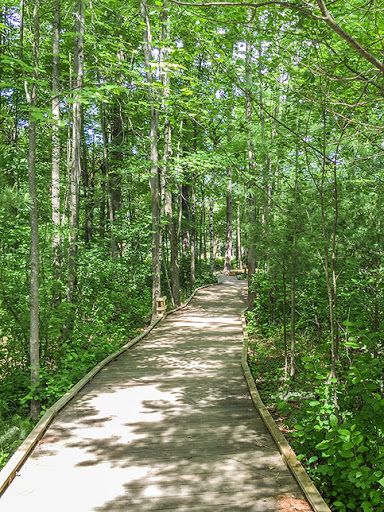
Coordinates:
[333,420]
[347,454]
[323,444]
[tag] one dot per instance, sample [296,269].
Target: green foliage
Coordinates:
[307,164]
[13,431]
[341,448]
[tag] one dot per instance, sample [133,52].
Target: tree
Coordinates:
[55,190]
[308,11]
[75,159]
[34,338]
[154,159]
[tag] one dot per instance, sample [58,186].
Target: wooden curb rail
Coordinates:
[9,471]
[305,483]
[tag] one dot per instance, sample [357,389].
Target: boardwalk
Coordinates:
[169,425]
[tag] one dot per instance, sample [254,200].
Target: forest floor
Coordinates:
[169,425]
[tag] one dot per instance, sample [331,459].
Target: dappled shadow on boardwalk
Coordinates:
[167,426]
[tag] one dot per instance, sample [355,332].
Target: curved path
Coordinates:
[169,425]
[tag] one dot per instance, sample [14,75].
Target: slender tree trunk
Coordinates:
[155,208]
[328,266]
[193,236]
[186,216]
[204,227]
[292,365]
[294,256]
[114,175]
[251,199]
[238,239]
[155,174]
[285,337]
[228,247]
[211,235]
[104,174]
[175,269]
[168,199]
[34,337]
[55,190]
[87,195]
[15,132]
[336,347]
[75,170]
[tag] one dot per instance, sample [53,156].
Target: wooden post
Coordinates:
[161,306]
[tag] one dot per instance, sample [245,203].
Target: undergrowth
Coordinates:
[112,307]
[340,442]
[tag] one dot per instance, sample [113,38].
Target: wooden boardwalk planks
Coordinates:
[169,425]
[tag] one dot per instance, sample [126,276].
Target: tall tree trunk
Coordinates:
[204,227]
[114,175]
[34,337]
[155,174]
[228,247]
[15,132]
[238,239]
[55,190]
[285,337]
[292,364]
[294,256]
[87,195]
[186,216]
[329,266]
[75,170]
[175,268]
[168,199]
[104,173]
[211,235]
[251,199]
[193,236]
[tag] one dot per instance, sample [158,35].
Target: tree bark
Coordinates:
[34,303]
[186,217]
[55,190]
[251,199]
[114,175]
[229,229]
[87,195]
[168,197]
[238,239]
[285,337]
[193,236]
[75,170]
[292,363]
[211,235]
[294,255]
[104,173]
[155,171]
[328,266]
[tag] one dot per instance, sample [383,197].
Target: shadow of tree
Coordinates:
[168,426]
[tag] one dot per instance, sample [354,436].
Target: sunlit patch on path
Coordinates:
[169,425]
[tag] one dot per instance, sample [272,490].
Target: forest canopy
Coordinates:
[145,145]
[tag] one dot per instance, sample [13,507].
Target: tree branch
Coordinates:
[331,22]
[288,5]
[303,8]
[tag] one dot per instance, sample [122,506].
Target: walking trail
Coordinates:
[169,425]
